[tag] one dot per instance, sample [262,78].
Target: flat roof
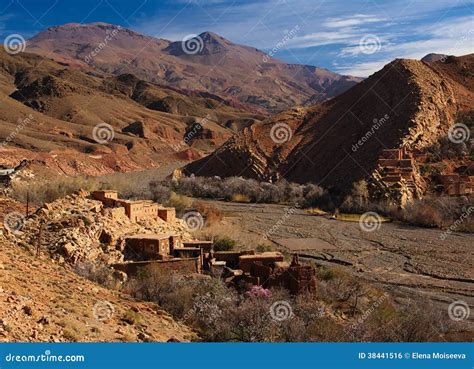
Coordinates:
[197,242]
[263,255]
[150,236]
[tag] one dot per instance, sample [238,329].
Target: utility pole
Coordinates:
[38,240]
[27,203]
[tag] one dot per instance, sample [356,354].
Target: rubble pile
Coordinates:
[78,228]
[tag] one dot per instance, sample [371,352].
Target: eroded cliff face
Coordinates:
[407,105]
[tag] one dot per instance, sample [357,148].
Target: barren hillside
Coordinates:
[407,105]
[41,300]
[208,63]
[49,114]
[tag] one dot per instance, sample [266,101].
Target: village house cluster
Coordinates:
[397,165]
[169,252]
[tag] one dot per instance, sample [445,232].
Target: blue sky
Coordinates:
[350,37]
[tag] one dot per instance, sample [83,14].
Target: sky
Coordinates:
[347,37]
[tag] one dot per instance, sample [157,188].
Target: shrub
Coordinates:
[246,190]
[224,244]
[264,248]
[238,197]
[41,192]
[211,213]
[423,214]
[131,317]
[180,202]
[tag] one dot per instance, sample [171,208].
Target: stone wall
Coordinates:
[183,266]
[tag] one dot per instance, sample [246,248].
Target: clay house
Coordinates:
[167,214]
[266,269]
[142,247]
[396,165]
[455,184]
[206,246]
[135,209]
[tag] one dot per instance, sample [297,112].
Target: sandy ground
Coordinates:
[406,260]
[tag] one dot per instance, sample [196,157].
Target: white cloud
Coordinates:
[363,69]
[355,20]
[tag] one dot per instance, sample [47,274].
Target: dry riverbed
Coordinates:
[406,260]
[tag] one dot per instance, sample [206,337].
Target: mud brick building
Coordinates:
[266,269]
[136,210]
[396,165]
[183,266]
[456,184]
[143,247]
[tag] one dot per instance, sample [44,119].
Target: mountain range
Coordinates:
[221,108]
[207,62]
[407,105]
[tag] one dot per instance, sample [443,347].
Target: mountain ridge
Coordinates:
[207,62]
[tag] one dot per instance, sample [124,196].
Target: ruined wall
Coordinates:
[183,266]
